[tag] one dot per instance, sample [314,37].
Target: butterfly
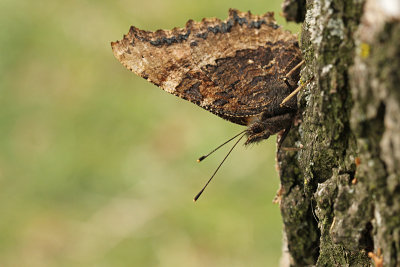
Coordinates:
[240,69]
[232,68]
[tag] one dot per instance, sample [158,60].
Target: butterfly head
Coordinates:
[263,127]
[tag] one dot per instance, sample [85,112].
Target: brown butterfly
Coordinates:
[240,69]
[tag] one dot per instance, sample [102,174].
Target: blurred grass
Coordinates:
[97,166]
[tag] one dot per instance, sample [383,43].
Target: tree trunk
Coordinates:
[340,195]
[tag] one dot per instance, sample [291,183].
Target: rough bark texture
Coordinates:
[340,196]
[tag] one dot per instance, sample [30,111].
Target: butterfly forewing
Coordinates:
[232,68]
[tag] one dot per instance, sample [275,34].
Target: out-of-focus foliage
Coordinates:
[98,166]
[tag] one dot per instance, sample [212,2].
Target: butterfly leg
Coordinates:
[286,80]
[295,91]
[294,69]
[289,74]
[283,136]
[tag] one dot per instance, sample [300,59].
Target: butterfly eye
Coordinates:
[256,128]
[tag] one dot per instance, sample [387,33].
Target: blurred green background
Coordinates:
[98,166]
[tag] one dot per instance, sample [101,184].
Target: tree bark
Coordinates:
[340,195]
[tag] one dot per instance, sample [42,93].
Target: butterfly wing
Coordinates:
[231,68]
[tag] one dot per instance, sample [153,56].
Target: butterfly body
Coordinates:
[232,68]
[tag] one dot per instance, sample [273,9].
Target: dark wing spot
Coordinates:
[202,35]
[194,91]
[220,102]
[144,75]
[257,24]
[256,80]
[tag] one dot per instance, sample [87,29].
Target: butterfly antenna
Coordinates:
[219,166]
[215,149]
